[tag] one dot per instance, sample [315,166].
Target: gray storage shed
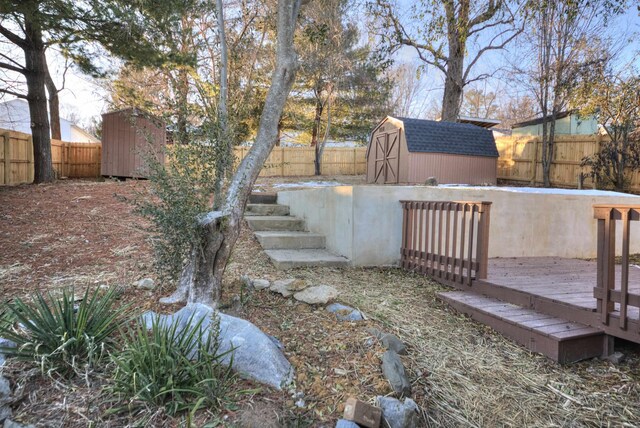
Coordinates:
[409,151]
[129,137]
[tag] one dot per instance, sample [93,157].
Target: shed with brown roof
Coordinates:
[410,151]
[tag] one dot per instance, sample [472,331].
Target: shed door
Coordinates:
[387,157]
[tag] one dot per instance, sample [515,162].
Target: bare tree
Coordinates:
[560,46]
[409,91]
[201,278]
[441,33]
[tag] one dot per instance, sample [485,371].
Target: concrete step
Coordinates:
[287,259]
[285,240]
[561,340]
[260,223]
[266,209]
[263,198]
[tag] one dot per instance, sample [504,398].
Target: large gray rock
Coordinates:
[344,312]
[393,370]
[317,295]
[398,414]
[255,356]
[5,396]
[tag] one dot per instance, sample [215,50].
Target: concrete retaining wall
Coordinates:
[364,223]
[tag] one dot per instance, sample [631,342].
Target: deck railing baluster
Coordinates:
[605,292]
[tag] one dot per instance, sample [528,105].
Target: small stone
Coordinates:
[5,389]
[317,295]
[343,423]
[393,370]
[260,284]
[8,423]
[246,281]
[146,284]
[392,343]
[431,181]
[281,286]
[300,403]
[297,285]
[397,414]
[344,312]
[375,332]
[616,358]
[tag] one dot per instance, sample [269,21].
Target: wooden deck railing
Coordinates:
[445,239]
[612,299]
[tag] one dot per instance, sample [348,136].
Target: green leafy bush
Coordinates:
[177,192]
[60,334]
[178,369]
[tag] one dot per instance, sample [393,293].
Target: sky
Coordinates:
[86,98]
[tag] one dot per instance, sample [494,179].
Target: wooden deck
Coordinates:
[566,309]
[566,281]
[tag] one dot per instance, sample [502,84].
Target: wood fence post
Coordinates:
[32,165]
[7,158]
[534,162]
[282,161]
[354,161]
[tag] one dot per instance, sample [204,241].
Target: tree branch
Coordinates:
[13,38]
[10,67]
[15,94]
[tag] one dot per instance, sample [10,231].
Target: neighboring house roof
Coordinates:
[540,119]
[479,121]
[14,115]
[77,131]
[429,136]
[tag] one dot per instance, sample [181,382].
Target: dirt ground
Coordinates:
[83,233]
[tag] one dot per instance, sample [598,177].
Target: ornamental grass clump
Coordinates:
[178,368]
[63,335]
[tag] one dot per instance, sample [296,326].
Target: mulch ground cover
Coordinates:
[83,234]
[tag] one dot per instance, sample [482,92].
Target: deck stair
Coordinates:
[285,238]
[561,340]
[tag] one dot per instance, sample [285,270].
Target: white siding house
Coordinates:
[14,116]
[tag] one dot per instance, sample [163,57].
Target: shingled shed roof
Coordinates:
[429,136]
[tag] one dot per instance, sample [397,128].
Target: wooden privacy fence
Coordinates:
[521,160]
[73,160]
[299,161]
[445,239]
[609,292]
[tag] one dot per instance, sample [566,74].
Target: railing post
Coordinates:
[482,246]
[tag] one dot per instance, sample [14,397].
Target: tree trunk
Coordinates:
[54,105]
[35,64]
[223,159]
[314,135]
[201,279]
[452,97]
[453,84]
[320,146]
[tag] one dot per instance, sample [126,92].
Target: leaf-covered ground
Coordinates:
[80,233]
